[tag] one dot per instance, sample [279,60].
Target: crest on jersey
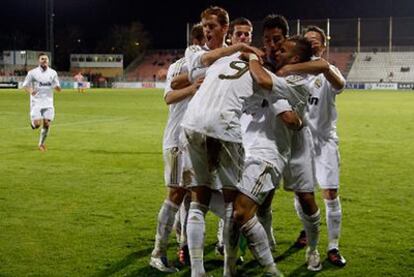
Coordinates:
[318,83]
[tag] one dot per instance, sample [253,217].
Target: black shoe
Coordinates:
[302,240]
[335,258]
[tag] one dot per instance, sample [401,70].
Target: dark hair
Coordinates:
[276,21]
[197,32]
[303,48]
[42,54]
[222,15]
[239,21]
[313,28]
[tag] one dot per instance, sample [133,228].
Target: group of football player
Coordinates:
[243,120]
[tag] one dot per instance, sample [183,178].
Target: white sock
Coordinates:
[266,218]
[43,135]
[165,224]
[185,206]
[258,242]
[312,225]
[220,232]
[195,235]
[231,241]
[333,222]
[177,225]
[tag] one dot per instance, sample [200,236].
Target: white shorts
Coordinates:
[217,164]
[177,167]
[327,162]
[259,178]
[299,174]
[37,113]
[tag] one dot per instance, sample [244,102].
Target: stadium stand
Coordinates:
[342,60]
[382,67]
[154,65]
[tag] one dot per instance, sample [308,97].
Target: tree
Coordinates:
[68,41]
[131,41]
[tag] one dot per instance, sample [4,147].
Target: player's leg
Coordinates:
[231,234]
[168,210]
[231,157]
[327,173]
[258,182]
[35,117]
[200,198]
[245,217]
[183,254]
[265,216]
[44,132]
[200,155]
[165,223]
[219,247]
[333,223]
[299,176]
[309,213]
[35,124]
[188,181]
[48,114]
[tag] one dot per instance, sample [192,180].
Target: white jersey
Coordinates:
[42,82]
[265,135]
[216,108]
[193,55]
[321,113]
[173,128]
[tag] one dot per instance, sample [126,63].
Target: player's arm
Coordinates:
[259,74]
[315,67]
[291,119]
[28,89]
[335,78]
[283,109]
[178,95]
[27,84]
[211,56]
[56,84]
[180,81]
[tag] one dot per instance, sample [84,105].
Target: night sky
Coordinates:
[166,20]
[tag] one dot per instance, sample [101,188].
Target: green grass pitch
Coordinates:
[88,206]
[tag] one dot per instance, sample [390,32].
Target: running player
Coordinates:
[39,83]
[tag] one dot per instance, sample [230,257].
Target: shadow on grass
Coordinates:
[148,270]
[289,252]
[210,264]
[128,260]
[303,271]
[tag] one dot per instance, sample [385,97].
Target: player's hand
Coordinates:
[246,57]
[34,92]
[252,49]
[196,85]
[284,71]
